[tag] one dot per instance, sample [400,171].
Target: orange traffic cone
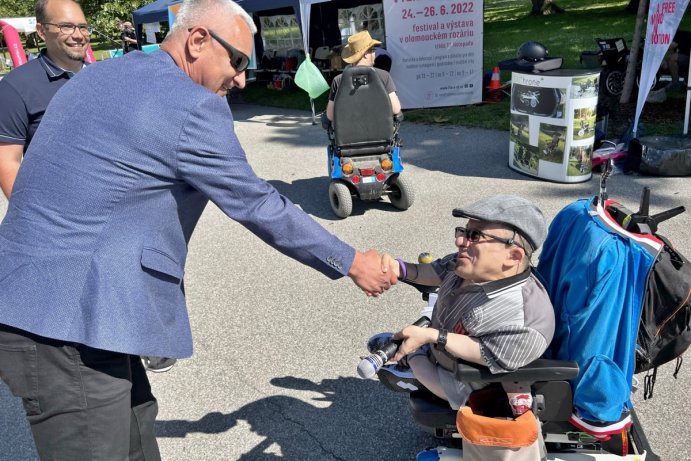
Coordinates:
[495,82]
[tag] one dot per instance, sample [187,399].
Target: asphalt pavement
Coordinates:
[273,374]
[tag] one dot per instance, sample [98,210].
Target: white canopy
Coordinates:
[25,25]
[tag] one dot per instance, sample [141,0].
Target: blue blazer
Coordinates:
[93,246]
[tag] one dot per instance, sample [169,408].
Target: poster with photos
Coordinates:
[552,130]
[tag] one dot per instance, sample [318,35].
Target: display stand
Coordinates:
[553,124]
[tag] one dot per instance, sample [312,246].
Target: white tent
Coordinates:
[305,10]
[26,25]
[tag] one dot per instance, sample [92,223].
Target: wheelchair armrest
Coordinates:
[424,289]
[326,123]
[538,370]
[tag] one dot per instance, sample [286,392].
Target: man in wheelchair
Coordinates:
[478,352]
[491,309]
[362,120]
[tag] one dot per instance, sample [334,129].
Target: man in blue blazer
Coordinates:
[93,246]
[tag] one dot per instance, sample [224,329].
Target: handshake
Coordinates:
[375,273]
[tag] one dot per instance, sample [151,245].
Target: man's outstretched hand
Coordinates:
[368,273]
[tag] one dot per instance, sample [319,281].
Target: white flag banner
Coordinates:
[436,47]
[663,20]
[305,10]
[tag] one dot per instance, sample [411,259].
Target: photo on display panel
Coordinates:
[580,160]
[525,157]
[544,102]
[585,87]
[520,128]
[551,143]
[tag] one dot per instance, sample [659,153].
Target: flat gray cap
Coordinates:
[515,212]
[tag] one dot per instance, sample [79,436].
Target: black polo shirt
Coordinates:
[24,96]
[683,40]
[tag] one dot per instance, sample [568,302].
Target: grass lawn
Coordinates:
[507,26]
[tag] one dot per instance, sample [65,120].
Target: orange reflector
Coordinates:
[386,164]
[355,179]
[367,171]
[347,168]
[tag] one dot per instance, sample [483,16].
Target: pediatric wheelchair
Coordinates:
[551,381]
[364,159]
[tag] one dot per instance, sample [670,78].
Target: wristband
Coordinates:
[442,338]
[403,269]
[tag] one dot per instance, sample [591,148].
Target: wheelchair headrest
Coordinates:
[362,110]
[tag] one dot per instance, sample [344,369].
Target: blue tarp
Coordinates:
[158,10]
[153,12]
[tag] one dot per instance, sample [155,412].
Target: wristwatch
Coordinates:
[441,339]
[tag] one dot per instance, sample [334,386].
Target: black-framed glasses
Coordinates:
[68,28]
[238,59]
[474,236]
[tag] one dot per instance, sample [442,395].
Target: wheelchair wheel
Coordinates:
[401,193]
[340,199]
[613,81]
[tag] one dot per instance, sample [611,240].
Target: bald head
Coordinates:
[211,41]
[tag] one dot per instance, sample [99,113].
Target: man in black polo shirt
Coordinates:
[678,58]
[26,91]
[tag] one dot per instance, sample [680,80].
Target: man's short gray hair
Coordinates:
[193,12]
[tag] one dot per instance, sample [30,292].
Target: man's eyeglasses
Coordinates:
[68,29]
[238,59]
[474,236]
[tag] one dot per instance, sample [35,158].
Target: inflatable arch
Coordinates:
[14,44]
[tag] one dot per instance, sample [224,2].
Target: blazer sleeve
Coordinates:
[211,159]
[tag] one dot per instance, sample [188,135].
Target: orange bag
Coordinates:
[489,439]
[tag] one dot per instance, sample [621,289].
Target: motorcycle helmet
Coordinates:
[532,51]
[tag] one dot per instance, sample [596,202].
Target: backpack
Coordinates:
[664,331]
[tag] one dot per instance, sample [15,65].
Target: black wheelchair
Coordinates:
[364,158]
[547,381]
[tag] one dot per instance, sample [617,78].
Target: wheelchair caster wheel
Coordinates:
[340,199]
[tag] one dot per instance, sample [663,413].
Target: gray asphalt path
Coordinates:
[276,344]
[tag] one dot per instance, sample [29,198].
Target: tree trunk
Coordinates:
[634,55]
[545,8]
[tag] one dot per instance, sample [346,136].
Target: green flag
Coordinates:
[309,78]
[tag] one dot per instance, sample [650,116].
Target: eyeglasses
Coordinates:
[238,59]
[474,236]
[68,29]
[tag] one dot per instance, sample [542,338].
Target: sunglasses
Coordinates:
[239,60]
[474,236]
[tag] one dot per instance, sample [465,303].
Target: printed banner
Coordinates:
[663,20]
[553,121]
[437,51]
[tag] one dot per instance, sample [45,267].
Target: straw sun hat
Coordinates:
[357,46]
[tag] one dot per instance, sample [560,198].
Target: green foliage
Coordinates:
[106,16]
[16,8]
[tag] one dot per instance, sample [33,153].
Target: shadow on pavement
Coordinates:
[312,195]
[337,426]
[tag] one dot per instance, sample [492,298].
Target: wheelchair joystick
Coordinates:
[370,364]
